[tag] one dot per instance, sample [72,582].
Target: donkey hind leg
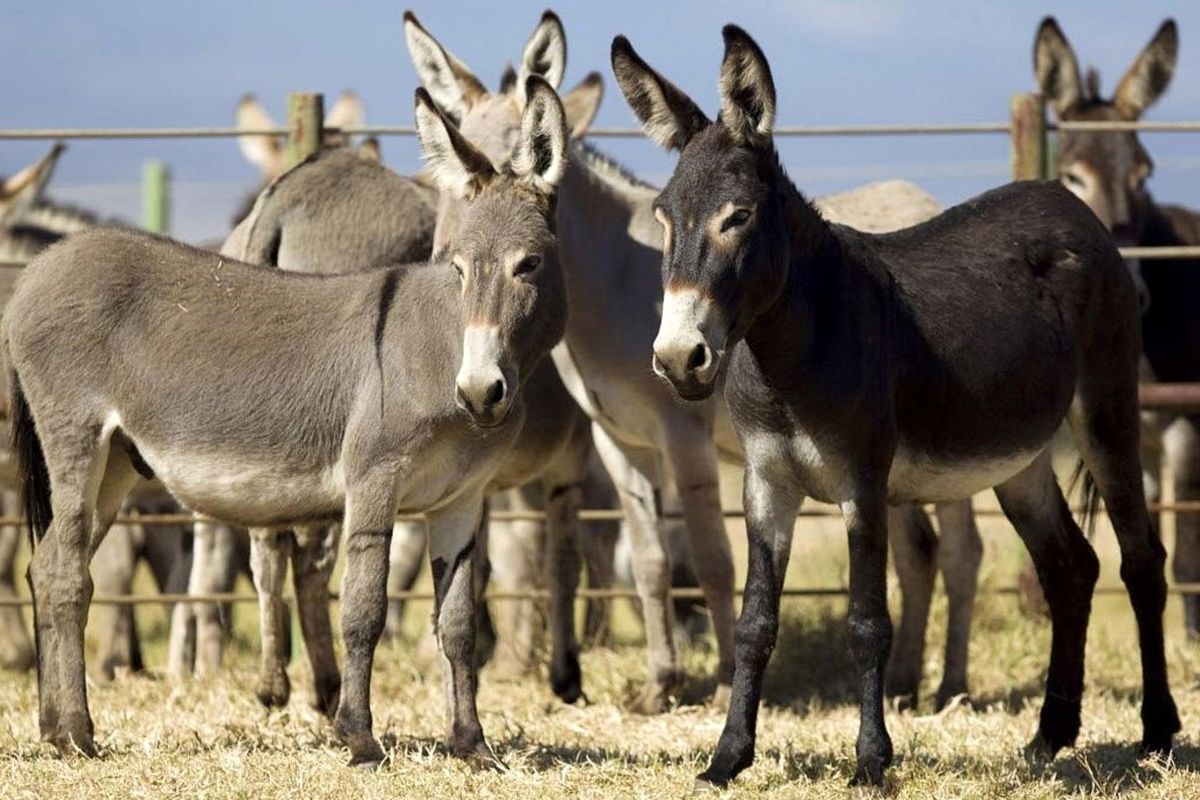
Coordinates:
[269,552]
[1104,422]
[112,573]
[16,649]
[89,479]
[914,544]
[960,549]
[214,570]
[694,463]
[453,536]
[370,513]
[771,503]
[516,549]
[313,556]
[1067,569]
[405,559]
[634,473]
[1183,456]
[598,544]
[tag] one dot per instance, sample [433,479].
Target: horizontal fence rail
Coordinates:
[581,595]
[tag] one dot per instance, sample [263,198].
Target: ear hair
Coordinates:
[263,151]
[668,116]
[508,79]
[458,168]
[540,157]
[747,88]
[582,103]
[1150,74]
[448,80]
[545,54]
[347,112]
[25,188]
[1056,67]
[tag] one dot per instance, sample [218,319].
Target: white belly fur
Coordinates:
[926,480]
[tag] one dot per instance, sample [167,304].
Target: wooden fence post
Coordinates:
[156,197]
[1029,152]
[306,116]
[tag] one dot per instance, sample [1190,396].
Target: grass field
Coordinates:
[211,739]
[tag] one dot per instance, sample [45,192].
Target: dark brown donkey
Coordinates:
[1109,171]
[855,374]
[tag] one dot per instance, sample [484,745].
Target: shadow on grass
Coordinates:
[1113,767]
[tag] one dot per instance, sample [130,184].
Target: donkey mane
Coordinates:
[609,168]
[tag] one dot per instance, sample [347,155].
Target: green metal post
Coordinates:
[306,115]
[156,197]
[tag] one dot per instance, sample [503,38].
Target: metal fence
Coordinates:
[1027,127]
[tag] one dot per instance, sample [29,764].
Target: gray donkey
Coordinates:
[855,373]
[305,399]
[28,224]
[611,246]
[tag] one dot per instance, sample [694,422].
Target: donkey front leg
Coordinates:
[634,474]
[453,536]
[269,551]
[214,569]
[405,559]
[517,550]
[370,513]
[112,572]
[313,558]
[694,461]
[914,544]
[960,549]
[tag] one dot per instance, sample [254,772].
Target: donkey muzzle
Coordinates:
[683,352]
[483,389]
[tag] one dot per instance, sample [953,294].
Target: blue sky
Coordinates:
[142,63]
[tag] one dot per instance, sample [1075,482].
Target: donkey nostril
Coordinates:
[495,394]
[697,358]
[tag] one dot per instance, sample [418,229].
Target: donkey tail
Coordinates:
[31,461]
[1090,494]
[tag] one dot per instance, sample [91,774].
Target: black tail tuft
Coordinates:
[1083,478]
[31,462]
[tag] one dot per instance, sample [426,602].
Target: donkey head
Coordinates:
[1107,170]
[21,191]
[493,120]
[722,212]
[505,252]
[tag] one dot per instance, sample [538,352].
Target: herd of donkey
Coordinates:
[832,347]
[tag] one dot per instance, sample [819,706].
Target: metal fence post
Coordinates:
[1027,114]
[306,115]
[156,197]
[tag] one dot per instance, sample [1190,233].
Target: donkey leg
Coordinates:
[516,549]
[269,551]
[914,544]
[1067,569]
[370,514]
[112,573]
[1183,456]
[405,559]
[598,546]
[563,485]
[1106,431]
[694,461]
[453,536]
[633,473]
[16,650]
[313,557]
[771,501]
[960,549]
[213,572]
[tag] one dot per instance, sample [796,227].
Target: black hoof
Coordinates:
[567,680]
[708,783]
[1059,723]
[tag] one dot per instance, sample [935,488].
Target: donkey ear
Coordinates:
[369,150]
[449,81]
[747,89]
[1150,74]
[545,55]
[263,151]
[668,116]
[25,188]
[458,167]
[1056,68]
[347,112]
[541,154]
[582,103]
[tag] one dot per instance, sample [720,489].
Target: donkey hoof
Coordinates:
[479,757]
[652,699]
[73,744]
[707,786]
[868,773]
[1040,750]
[567,680]
[365,753]
[274,692]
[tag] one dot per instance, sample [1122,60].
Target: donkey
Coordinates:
[611,245]
[306,398]
[855,374]
[28,224]
[336,213]
[1109,172]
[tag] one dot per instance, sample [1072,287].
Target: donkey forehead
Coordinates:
[493,124]
[713,169]
[1104,151]
[506,216]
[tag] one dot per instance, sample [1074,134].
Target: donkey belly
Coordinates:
[916,477]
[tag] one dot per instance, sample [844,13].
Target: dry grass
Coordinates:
[212,740]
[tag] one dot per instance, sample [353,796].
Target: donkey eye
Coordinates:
[738,218]
[1073,179]
[458,267]
[527,264]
